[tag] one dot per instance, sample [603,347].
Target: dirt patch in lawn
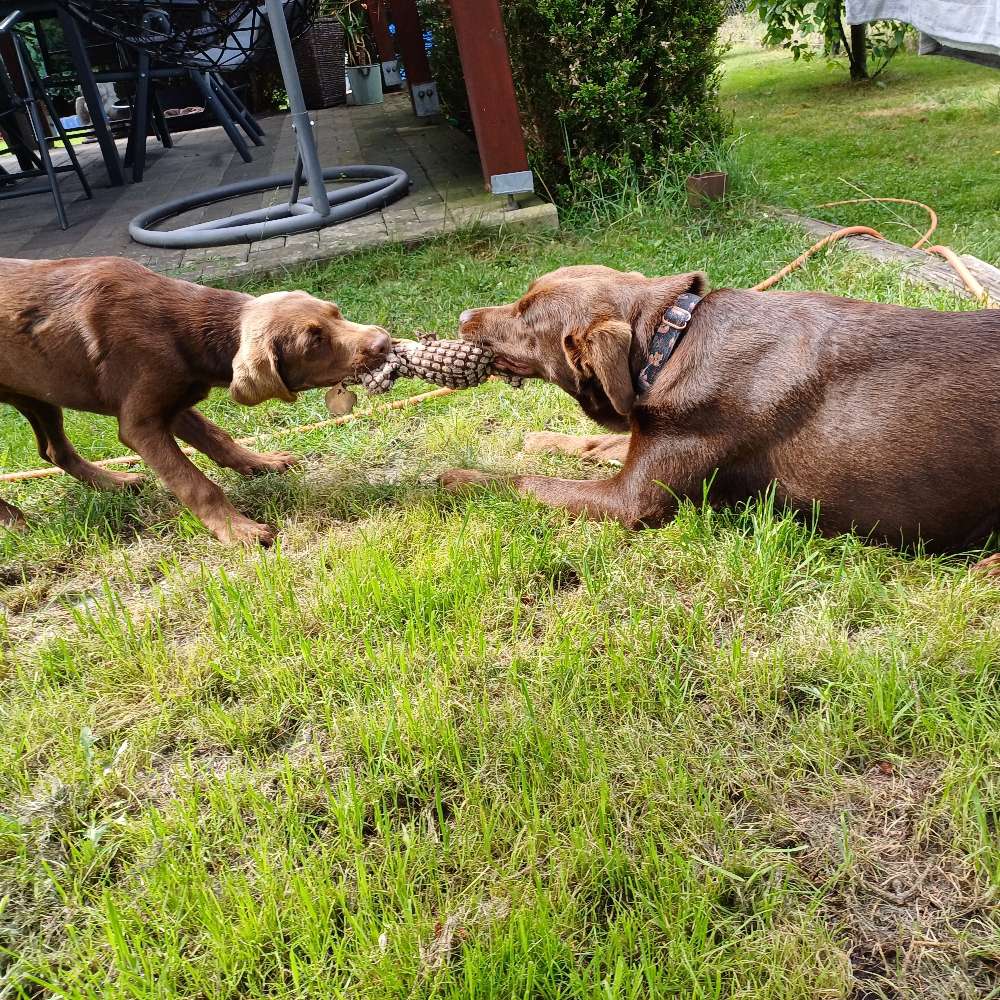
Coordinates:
[907,111]
[915,918]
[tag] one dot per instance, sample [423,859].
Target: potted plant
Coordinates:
[364,73]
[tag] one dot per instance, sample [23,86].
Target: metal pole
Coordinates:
[302,123]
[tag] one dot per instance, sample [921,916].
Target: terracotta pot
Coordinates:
[703,188]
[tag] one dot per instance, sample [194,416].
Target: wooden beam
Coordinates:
[410,38]
[919,266]
[410,41]
[482,47]
[378,18]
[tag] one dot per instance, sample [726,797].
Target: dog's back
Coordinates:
[889,416]
[61,319]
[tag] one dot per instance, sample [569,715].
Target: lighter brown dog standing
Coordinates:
[887,417]
[109,336]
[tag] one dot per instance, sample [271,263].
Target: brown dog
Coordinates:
[108,336]
[888,417]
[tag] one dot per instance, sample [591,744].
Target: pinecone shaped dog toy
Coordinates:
[454,364]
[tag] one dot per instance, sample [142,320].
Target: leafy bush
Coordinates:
[608,92]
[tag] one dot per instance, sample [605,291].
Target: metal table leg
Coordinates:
[81,61]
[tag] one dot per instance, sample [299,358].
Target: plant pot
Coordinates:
[391,77]
[319,54]
[365,83]
[703,188]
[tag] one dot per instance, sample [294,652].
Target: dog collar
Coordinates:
[667,336]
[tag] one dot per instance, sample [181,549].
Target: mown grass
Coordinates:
[430,746]
[927,129]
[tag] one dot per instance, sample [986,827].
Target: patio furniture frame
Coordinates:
[374,187]
[35,93]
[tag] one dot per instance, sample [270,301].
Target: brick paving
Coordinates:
[446,193]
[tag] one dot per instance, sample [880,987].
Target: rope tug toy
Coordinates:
[444,371]
[454,364]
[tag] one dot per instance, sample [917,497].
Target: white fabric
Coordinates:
[972,25]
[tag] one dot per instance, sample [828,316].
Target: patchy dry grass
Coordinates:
[471,748]
[926,129]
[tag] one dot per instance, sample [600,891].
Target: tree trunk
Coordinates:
[859,52]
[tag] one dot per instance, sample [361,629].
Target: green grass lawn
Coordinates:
[927,129]
[440,747]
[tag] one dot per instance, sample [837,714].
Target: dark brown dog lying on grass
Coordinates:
[108,336]
[888,417]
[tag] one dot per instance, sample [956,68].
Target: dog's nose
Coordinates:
[466,316]
[380,343]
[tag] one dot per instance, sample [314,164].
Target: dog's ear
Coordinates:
[255,368]
[602,352]
[673,285]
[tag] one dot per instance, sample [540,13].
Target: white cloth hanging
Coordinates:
[969,25]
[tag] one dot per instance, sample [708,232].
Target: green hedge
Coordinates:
[608,91]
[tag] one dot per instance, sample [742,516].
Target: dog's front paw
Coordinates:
[611,449]
[989,567]
[459,480]
[270,461]
[126,480]
[243,531]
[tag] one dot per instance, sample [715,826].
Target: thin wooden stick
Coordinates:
[107,463]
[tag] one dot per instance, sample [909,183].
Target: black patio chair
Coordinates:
[213,35]
[138,75]
[20,101]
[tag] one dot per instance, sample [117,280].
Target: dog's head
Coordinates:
[290,341]
[577,327]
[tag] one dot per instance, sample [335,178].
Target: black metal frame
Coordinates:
[35,92]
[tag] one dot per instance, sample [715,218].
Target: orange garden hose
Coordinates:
[974,287]
[803,257]
[895,201]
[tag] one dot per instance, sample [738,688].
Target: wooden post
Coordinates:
[482,47]
[378,18]
[410,39]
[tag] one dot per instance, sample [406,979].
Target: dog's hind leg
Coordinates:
[47,422]
[610,449]
[213,441]
[10,517]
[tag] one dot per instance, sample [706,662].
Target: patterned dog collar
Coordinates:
[666,338]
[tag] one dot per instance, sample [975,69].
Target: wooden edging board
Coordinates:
[920,266]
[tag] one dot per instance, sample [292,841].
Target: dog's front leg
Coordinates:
[608,448]
[151,438]
[644,493]
[211,440]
